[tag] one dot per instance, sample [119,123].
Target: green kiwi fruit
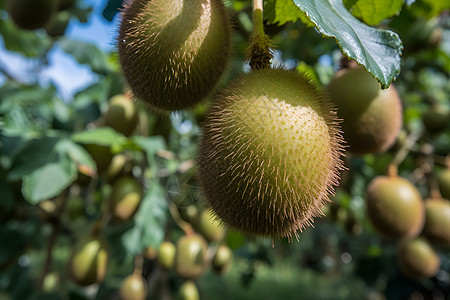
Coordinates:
[126,195]
[190,257]
[31,14]
[122,114]
[88,261]
[166,255]
[222,259]
[133,287]
[50,283]
[173,52]
[102,156]
[444,183]
[417,259]
[394,207]
[189,291]
[58,24]
[437,221]
[372,117]
[210,226]
[270,153]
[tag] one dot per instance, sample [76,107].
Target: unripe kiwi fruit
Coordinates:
[126,195]
[173,52]
[210,226]
[190,258]
[372,117]
[88,262]
[101,154]
[31,14]
[444,183]
[417,259]
[437,221]
[166,254]
[122,114]
[134,287]
[394,207]
[222,259]
[189,291]
[270,153]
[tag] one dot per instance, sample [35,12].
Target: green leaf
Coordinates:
[373,12]
[150,145]
[25,42]
[283,11]
[86,53]
[49,181]
[377,50]
[103,136]
[149,221]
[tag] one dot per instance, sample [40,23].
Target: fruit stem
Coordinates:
[185,226]
[405,148]
[138,264]
[259,53]
[48,256]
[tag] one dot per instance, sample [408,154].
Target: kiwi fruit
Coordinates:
[122,114]
[222,259]
[437,221]
[417,259]
[166,254]
[101,154]
[394,207]
[190,257]
[210,226]
[189,291]
[133,287]
[126,195]
[50,283]
[270,153]
[31,14]
[88,261]
[372,117]
[173,52]
[444,183]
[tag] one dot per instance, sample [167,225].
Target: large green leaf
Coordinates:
[373,12]
[377,50]
[103,136]
[283,11]
[149,221]
[49,180]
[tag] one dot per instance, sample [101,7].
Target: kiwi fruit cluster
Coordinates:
[372,117]
[173,52]
[270,153]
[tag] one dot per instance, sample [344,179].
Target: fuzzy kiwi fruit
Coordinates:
[437,221]
[222,259]
[444,183]
[417,259]
[173,52]
[190,257]
[88,262]
[126,195]
[31,14]
[166,254]
[372,117]
[270,153]
[189,291]
[211,227]
[122,114]
[133,287]
[394,207]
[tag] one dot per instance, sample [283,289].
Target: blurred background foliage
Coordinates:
[59,161]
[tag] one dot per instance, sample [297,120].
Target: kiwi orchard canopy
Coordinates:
[173,52]
[270,153]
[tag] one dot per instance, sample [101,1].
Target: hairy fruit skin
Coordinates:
[88,261]
[372,117]
[134,287]
[417,259]
[31,14]
[437,221]
[395,207]
[270,153]
[190,257]
[173,52]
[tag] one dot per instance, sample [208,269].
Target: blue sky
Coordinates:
[64,71]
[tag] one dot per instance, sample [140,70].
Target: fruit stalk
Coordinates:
[259,52]
[405,148]
[185,226]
